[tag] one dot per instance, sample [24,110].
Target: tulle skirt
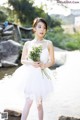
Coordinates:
[33,82]
[26,82]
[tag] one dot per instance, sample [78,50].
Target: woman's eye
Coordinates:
[39,26]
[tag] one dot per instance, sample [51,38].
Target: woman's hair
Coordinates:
[37,20]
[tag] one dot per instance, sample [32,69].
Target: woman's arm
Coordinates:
[25,54]
[51,54]
[24,57]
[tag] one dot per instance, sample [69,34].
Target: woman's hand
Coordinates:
[42,65]
[36,64]
[39,64]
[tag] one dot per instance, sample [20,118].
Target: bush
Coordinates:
[63,40]
[3,16]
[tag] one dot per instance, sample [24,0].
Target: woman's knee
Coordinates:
[39,107]
[39,104]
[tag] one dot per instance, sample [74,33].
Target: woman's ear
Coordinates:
[34,30]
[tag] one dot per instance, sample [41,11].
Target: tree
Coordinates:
[3,15]
[23,9]
[26,12]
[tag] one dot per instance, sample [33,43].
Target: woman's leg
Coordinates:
[40,109]
[26,109]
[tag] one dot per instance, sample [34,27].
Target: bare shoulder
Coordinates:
[27,43]
[49,43]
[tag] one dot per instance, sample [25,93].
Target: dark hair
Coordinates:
[37,20]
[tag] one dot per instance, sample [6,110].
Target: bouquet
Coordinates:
[35,56]
[35,53]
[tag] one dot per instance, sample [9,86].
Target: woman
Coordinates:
[43,85]
[29,80]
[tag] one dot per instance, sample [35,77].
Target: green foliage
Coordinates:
[23,9]
[58,29]
[64,41]
[26,12]
[35,53]
[39,12]
[6,14]
[72,46]
[75,43]
[3,14]
[54,22]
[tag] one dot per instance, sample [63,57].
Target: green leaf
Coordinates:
[35,53]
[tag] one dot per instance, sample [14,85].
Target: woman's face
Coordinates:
[40,30]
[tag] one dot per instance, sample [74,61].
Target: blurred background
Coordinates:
[63,18]
[16,17]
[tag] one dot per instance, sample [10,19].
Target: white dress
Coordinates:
[26,81]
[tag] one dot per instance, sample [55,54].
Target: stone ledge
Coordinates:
[13,114]
[68,118]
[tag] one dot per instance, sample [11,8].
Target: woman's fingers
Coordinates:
[36,64]
[42,65]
